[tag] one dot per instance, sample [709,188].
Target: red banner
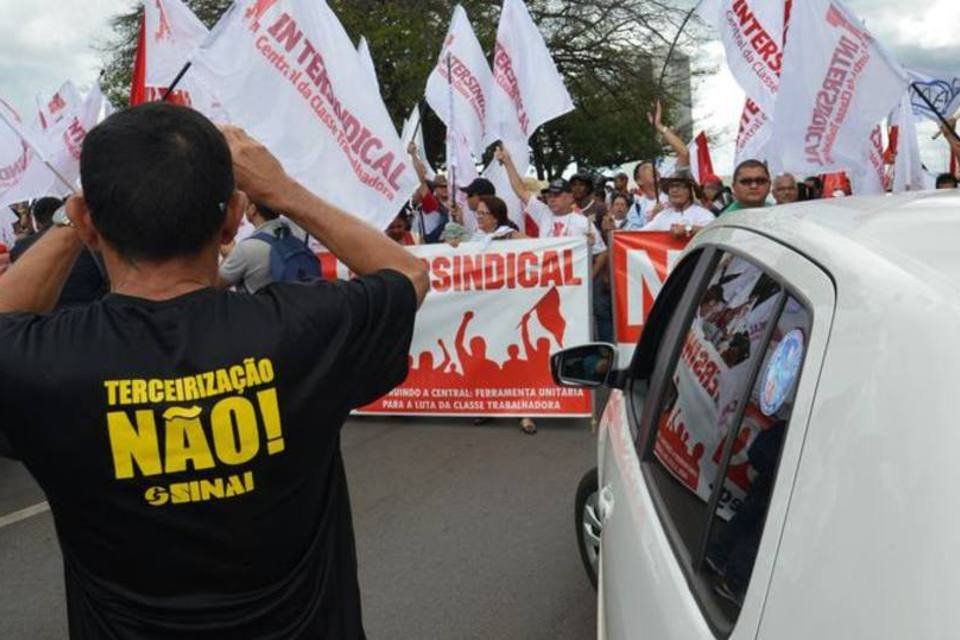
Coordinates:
[641,263]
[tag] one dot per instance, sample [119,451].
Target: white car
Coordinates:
[778,459]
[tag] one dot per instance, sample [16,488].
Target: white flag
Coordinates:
[289,74]
[53,111]
[60,147]
[460,86]
[869,176]
[461,172]
[16,156]
[908,172]
[528,90]
[942,92]
[413,132]
[172,33]
[752,36]
[837,84]
[754,134]
[366,59]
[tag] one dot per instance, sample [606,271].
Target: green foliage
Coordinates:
[607,51]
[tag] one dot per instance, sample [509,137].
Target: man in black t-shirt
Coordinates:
[187,438]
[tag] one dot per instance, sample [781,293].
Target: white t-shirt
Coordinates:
[694,215]
[569,225]
[640,213]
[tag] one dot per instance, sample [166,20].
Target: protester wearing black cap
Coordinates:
[557,218]
[474,191]
[582,184]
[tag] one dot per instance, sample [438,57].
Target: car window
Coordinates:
[754,457]
[724,394]
[705,391]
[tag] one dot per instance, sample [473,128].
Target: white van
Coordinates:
[778,458]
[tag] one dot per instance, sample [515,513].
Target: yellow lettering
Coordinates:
[265,368]
[155,391]
[190,391]
[157,496]
[124,392]
[235,445]
[179,493]
[211,488]
[139,391]
[111,386]
[131,444]
[270,412]
[185,440]
[234,487]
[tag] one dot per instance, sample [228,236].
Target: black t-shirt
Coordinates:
[190,452]
[85,283]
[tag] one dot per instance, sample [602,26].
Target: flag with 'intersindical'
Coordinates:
[837,83]
[288,73]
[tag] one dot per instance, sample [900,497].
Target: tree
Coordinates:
[610,53]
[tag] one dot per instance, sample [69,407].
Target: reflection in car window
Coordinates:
[723,414]
[749,477]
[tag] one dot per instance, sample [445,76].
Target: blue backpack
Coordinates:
[290,258]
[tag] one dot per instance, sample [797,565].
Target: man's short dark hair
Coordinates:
[946,181]
[43,209]
[156,178]
[750,164]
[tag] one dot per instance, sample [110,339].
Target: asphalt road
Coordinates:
[463,532]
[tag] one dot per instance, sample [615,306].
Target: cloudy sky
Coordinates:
[44,42]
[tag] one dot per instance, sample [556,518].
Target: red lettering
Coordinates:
[525,278]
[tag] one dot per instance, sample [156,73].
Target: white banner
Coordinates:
[288,73]
[752,36]
[459,88]
[869,177]
[837,84]
[172,33]
[485,333]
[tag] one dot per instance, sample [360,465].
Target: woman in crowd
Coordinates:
[683,217]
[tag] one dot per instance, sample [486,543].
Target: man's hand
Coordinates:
[501,154]
[412,149]
[468,315]
[656,118]
[257,172]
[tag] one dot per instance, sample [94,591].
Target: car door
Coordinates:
[700,450]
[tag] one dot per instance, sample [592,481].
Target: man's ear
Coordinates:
[236,207]
[79,215]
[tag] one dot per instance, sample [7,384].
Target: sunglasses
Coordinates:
[753,182]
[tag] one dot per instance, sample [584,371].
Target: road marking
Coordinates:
[23,514]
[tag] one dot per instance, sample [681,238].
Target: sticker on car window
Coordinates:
[782,372]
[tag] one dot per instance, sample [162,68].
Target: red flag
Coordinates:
[893,133]
[954,161]
[549,315]
[701,165]
[835,182]
[138,89]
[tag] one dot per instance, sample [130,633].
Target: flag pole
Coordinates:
[451,133]
[663,73]
[176,81]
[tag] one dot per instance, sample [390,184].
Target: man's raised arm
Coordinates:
[357,244]
[503,156]
[34,282]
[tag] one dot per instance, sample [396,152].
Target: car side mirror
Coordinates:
[590,365]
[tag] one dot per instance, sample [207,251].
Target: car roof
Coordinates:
[918,232]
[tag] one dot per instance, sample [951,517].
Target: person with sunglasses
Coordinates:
[751,186]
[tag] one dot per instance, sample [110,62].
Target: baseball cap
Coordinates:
[480,187]
[559,186]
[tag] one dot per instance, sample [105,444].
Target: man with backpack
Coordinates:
[273,253]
